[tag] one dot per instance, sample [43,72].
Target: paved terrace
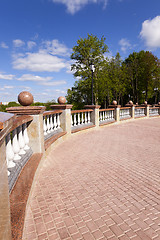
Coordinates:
[101,184]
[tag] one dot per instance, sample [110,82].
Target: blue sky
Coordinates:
[37,37]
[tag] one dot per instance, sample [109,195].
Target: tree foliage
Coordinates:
[134,78]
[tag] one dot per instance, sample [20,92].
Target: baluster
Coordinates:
[48,124]
[75,120]
[72,122]
[55,122]
[82,118]
[15,145]
[58,121]
[109,115]
[89,117]
[85,118]
[44,126]
[26,138]
[100,116]
[105,115]
[51,123]
[9,152]
[79,119]
[103,118]
[21,140]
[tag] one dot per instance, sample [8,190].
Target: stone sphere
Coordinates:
[130,102]
[25,98]
[114,102]
[61,100]
[145,102]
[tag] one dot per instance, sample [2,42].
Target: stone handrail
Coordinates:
[26,131]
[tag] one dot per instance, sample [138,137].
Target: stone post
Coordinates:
[132,111]
[35,128]
[65,116]
[94,114]
[146,109]
[116,111]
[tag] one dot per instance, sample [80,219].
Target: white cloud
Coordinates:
[45,81]
[56,83]
[8,87]
[40,61]
[6,76]
[31,44]
[74,6]
[18,43]
[4,45]
[125,44]
[30,77]
[150,32]
[25,88]
[56,48]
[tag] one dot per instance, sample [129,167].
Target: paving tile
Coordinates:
[109,193]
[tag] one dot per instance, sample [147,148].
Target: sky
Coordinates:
[37,37]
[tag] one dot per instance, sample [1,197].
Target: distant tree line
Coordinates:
[136,78]
[14,104]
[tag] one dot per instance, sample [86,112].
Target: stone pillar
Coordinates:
[132,111]
[5,223]
[35,127]
[94,114]
[147,110]
[65,116]
[116,111]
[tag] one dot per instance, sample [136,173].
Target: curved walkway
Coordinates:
[102,184]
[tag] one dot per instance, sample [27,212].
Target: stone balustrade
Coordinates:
[106,115]
[139,112]
[29,130]
[153,111]
[51,123]
[125,113]
[18,149]
[80,118]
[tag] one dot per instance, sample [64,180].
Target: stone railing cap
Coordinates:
[28,110]
[114,106]
[61,106]
[130,105]
[92,106]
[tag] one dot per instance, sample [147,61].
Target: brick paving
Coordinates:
[102,184]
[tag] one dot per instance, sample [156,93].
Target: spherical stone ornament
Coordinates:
[61,100]
[114,102]
[145,102]
[25,98]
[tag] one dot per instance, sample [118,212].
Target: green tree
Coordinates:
[143,70]
[89,51]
